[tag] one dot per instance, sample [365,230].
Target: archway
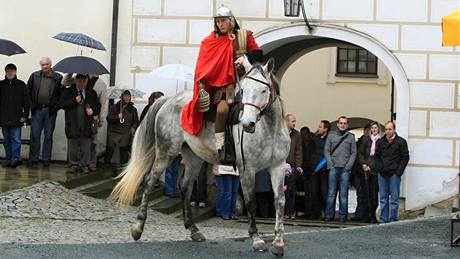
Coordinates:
[295,40]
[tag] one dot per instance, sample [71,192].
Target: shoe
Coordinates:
[15,164]
[75,169]
[33,165]
[202,205]
[327,219]
[192,204]
[342,220]
[85,170]
[292,216]
[234,217]
[6,164]
[225,217]
[373,221]
[92,168]
[46,163]
[356,218]
[287,217]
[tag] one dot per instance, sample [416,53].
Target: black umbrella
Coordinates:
[80,65]
[10,48]
[80,39]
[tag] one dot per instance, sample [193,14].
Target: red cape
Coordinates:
[215,67]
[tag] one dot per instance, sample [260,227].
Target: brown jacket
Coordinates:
[295,152]
[122,133]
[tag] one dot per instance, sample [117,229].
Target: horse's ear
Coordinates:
[270,65]
[246,64]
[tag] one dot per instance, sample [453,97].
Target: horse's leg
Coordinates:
[277,178]
[192,169]
[247,184]
[160,164]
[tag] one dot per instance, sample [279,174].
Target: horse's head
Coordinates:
[257,92]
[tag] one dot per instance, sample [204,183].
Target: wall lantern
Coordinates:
[292,9]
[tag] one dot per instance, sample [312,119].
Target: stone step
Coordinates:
[199,214]
[306,223]
[167,205]
[84,179]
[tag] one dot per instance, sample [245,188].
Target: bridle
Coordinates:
[262,109]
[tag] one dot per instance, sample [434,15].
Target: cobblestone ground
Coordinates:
[49,213]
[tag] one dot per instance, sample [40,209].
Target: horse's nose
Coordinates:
[250,127]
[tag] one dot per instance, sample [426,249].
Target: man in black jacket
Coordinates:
[45,90]
[392,156]
[80,105]
[319,179]
[14,110]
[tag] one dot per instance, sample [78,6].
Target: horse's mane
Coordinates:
[276,83]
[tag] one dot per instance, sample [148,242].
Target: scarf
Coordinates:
[374,141]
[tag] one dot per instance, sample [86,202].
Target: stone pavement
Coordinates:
[47,213]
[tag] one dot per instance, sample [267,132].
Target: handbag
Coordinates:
[322,163]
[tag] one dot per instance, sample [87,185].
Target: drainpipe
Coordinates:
[113,49]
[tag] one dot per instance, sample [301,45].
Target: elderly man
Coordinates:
[14,108]
[340,153]
[45,90]
[392,157]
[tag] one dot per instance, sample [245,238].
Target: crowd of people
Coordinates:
[326,162]
[84,100]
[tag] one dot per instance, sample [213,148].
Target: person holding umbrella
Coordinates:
[122,123]
[80,105]
[14,107]
[45,91]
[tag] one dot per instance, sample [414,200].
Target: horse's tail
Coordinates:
[142,158]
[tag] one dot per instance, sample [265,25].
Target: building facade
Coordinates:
[405,36]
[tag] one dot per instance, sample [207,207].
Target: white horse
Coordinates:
[160,138]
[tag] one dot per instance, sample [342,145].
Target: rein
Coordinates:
[262,109]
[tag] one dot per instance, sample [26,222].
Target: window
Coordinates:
[356,61]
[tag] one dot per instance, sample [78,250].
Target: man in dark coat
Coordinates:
[14,110]
[122,123]
[319,179]
[80,105]
[294,159]
[392,157]
[45,90]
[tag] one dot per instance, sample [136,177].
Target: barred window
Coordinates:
[356,61]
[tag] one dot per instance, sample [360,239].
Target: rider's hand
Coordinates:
[239,61]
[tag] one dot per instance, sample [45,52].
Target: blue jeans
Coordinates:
[337,176]
[226,194]
[41,120]
[171,177]
[389,198]
[12,143]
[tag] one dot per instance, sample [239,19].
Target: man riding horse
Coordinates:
[220,62]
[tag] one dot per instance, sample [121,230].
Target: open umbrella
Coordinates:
[80,65]
[10,48]
[80,39]
[114,92]
[178,72]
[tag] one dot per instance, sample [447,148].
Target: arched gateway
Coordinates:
[288,43]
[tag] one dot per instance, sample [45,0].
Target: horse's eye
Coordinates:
[264,91]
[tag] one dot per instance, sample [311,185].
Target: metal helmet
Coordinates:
[223,11]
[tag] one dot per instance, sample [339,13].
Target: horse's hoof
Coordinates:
[277,250]
[136,231]
[197,237]
[259,246]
